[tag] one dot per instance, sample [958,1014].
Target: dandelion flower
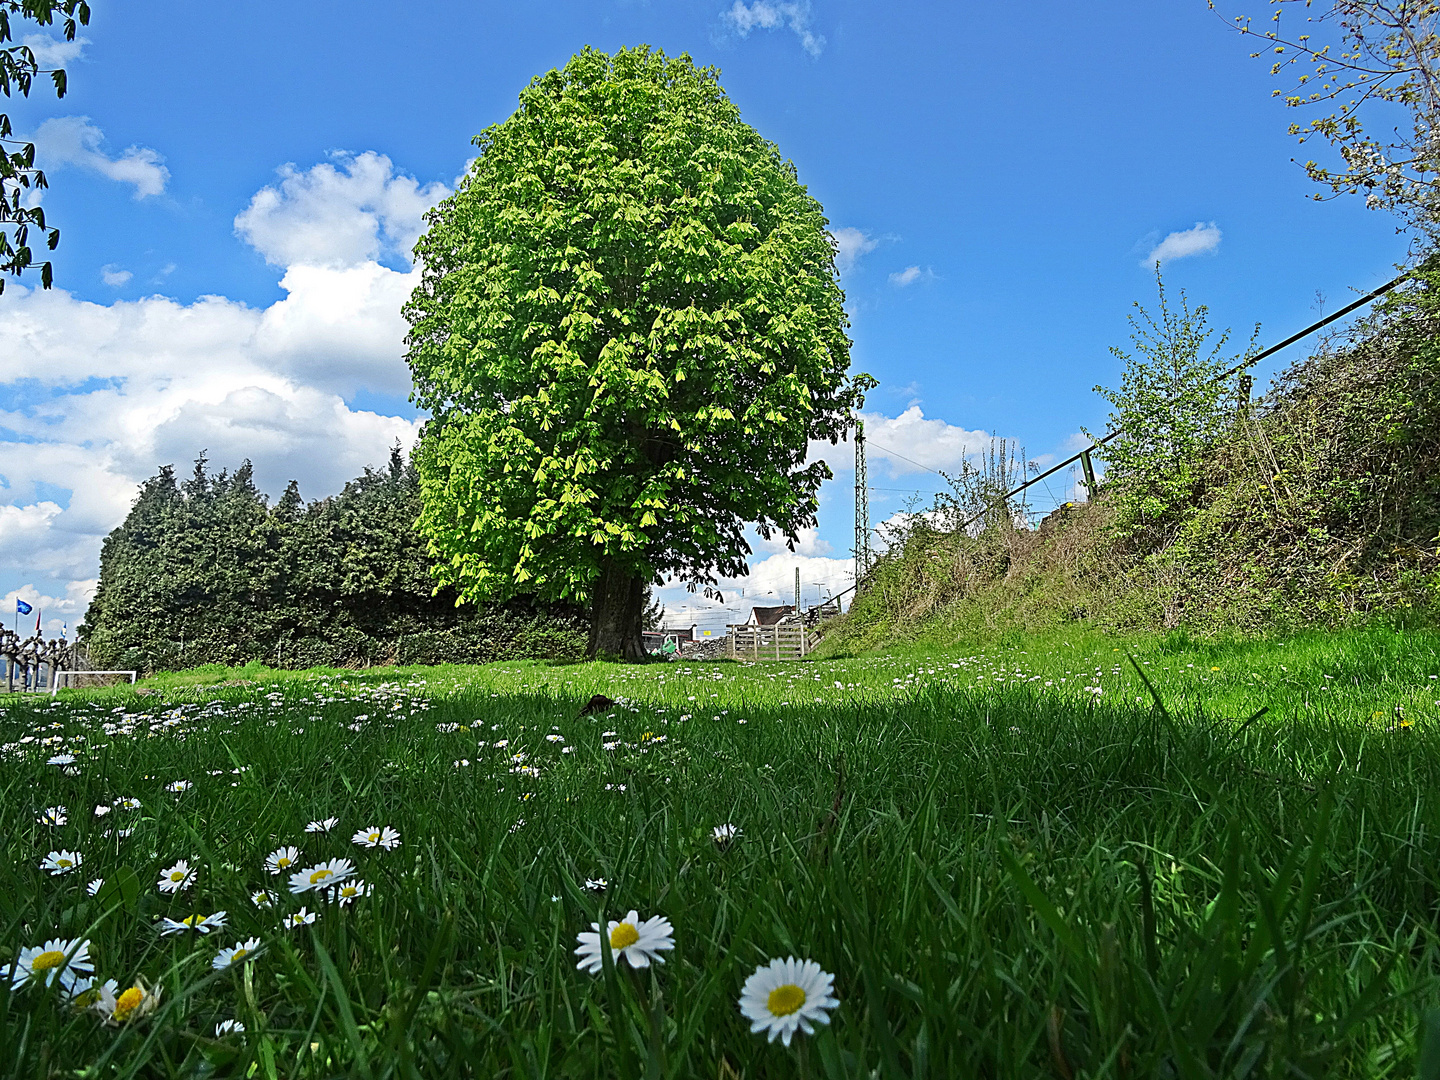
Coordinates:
[61,862]
[725,834]
[52,815]
[347,892]
[785,995]
[321,876]
[229,1027]
[236,954]
[95,886]
[378,836]
[178,878]
[282,859]
[132,1004]
[322,826]
[60,958]
[637,942]
[201,924]
[300,918]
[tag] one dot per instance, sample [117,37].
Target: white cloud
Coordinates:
[850,245]
[771,15]
[911,274]
[54,52]
[908,443]
[328,216]
[114,276]
[73,140]
[141,383]
[1203,239]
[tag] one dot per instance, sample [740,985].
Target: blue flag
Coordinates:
[21,607]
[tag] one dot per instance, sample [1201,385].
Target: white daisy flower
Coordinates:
[101,809]
[201,924]
[95,886]
[322,826]
[300,918]
[65,959]
[61,862]
[637,942]
[724,834]
[236,954]
[52,815]
[349,891]
[377,836]
[229,1027]
[134,1003]
[262,898]
[282,859]
[596,884]
[177,786]
[321,876]
[785,995]
[179,877]
[61,759]
[127,803]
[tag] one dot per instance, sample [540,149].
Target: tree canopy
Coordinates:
[19,67]
[629,329]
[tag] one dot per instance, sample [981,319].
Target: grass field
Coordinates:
[1012,860]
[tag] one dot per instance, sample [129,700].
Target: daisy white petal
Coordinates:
[785,996]
[638,943]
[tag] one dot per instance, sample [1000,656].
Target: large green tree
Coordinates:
[628,330]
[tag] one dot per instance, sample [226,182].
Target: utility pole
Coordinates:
[862,507]
[797,590]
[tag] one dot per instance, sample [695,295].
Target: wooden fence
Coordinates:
[788,641]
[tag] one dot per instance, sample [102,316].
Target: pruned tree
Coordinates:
[19,67]
[628,330]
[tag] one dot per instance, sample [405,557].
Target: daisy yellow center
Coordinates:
[52,958]
[785,1000]
[176,875]
[128,1002]
[64,862]
[623,936]
[284,860]
[348,890]
[239,955]
[192,920]
[320,875]
[374,837]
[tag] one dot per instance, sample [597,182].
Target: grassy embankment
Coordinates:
[1009,873]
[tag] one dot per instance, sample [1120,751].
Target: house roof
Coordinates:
[769,616]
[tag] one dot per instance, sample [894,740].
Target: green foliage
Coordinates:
[18,175]
[1325,504]
[1171,408]
[206,571]
[1004,870]
[629,329]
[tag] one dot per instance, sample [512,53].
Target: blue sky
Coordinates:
[238,187]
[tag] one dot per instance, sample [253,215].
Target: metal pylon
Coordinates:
[862,506]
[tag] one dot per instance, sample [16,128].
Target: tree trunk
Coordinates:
[616,613]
